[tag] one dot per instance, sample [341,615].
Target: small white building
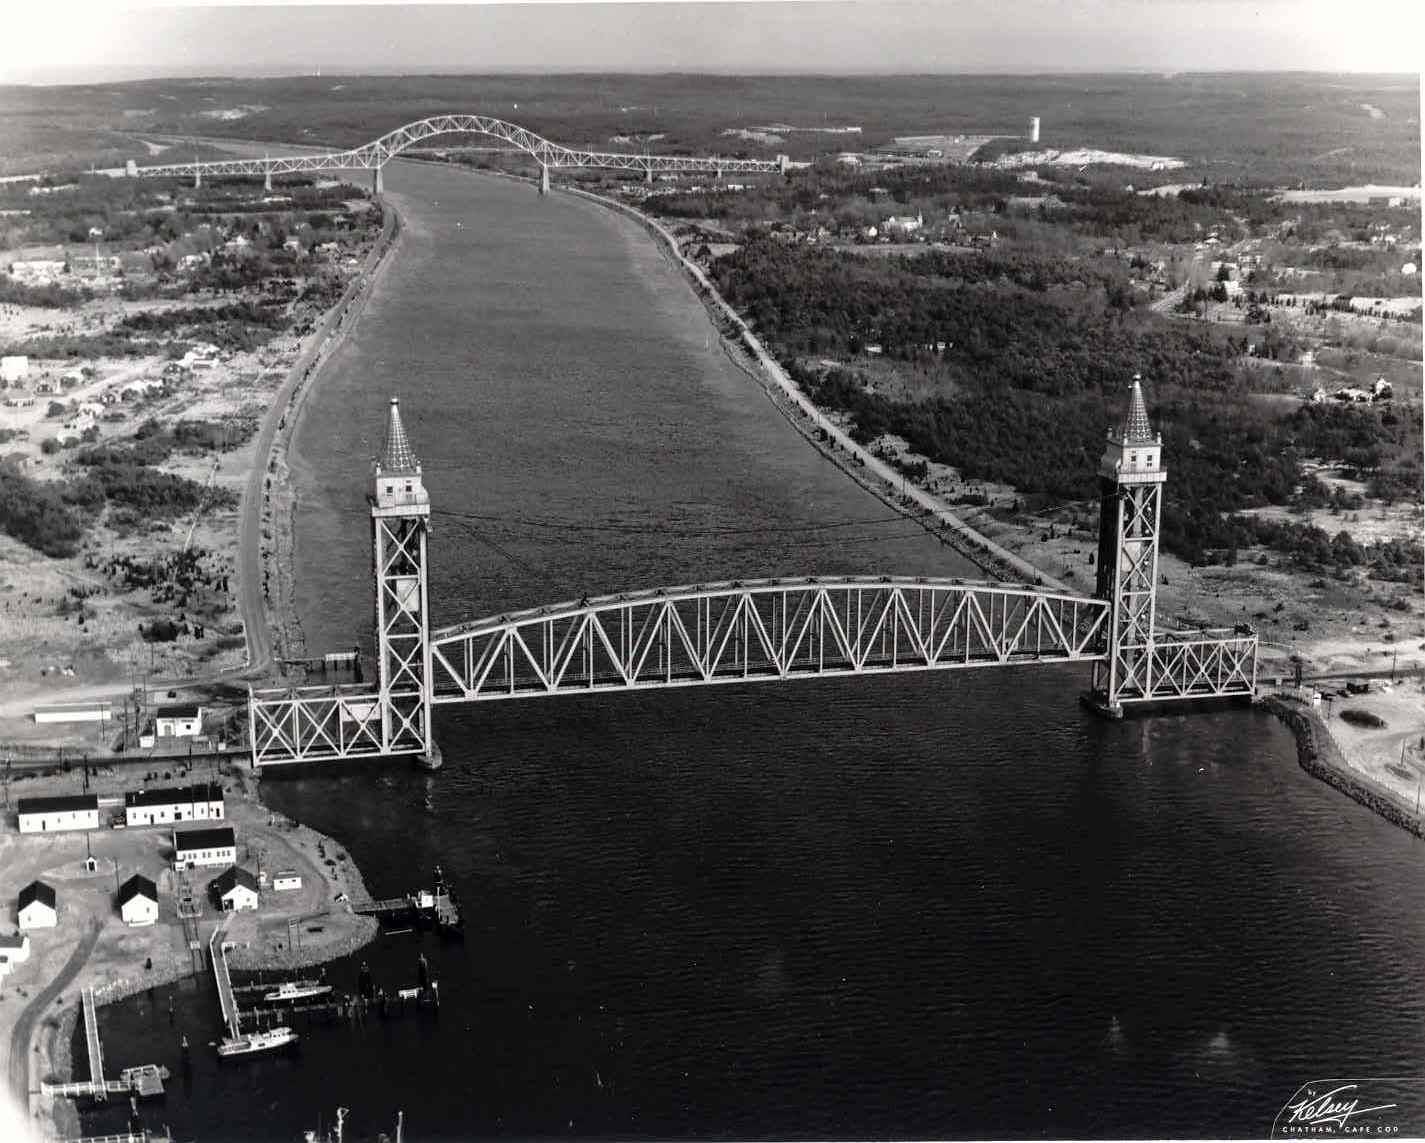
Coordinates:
[198,803]
[14,947]
[235,890]
[56,814]
[181,721]
[36,907]
[14,367]
[285,880]
[138,901]
[197,847]
[37,271]
[905,223]
[75,712]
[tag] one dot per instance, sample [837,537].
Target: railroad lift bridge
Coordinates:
[769,630]
[374,156]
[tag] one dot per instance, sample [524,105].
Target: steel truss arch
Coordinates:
[751,630]
[379,152]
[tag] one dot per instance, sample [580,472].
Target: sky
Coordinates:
[73,41]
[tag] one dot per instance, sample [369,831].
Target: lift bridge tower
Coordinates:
[1142,664]
[400,520]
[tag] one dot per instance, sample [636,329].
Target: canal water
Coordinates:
[927,906]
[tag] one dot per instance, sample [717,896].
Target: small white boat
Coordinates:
[298,990]
[250,1043]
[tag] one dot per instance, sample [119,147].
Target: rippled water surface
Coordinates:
[951,905]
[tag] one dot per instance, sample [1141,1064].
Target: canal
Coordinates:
[927,906]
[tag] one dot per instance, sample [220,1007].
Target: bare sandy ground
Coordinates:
[46,653]
[1393,755]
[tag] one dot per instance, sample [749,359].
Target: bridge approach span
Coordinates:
[376,154]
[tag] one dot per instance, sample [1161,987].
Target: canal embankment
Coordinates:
[1320,756]
[268,544]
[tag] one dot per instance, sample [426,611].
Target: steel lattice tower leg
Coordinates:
[400,517]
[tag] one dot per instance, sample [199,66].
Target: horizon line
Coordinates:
[257,72]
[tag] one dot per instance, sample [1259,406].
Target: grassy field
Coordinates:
[1266,128]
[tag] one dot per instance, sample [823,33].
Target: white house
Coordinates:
[36,906]
[213,846]
[174,804]
[181,721]
[905,223]
[138,901]
[52,815]
[285,880]
[235,889]
[14,367]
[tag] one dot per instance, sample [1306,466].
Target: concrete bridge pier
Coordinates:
[648,175]
[197,176]
[267,179]
[377,182]
[543,178]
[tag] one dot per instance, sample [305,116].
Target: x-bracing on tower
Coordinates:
[752,630]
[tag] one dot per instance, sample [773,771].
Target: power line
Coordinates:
[672,529]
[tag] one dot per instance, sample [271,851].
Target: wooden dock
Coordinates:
[144,1081]
[331,1005]
[384,907]
[91,1038]
[218,956]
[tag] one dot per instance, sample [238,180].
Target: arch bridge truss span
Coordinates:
[376,154]
[761,630]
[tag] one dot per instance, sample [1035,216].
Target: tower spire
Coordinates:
[397,456]
[1136,427]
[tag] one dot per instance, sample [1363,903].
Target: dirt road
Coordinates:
[20,1035]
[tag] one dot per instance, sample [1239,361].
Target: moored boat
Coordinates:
[298,990]
[251,1043]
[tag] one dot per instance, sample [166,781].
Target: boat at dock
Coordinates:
[437,906]
[251,1043]
[297,990]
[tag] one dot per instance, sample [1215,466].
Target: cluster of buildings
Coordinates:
[172,724]
[1382,390]
[171,806]
[201,841]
